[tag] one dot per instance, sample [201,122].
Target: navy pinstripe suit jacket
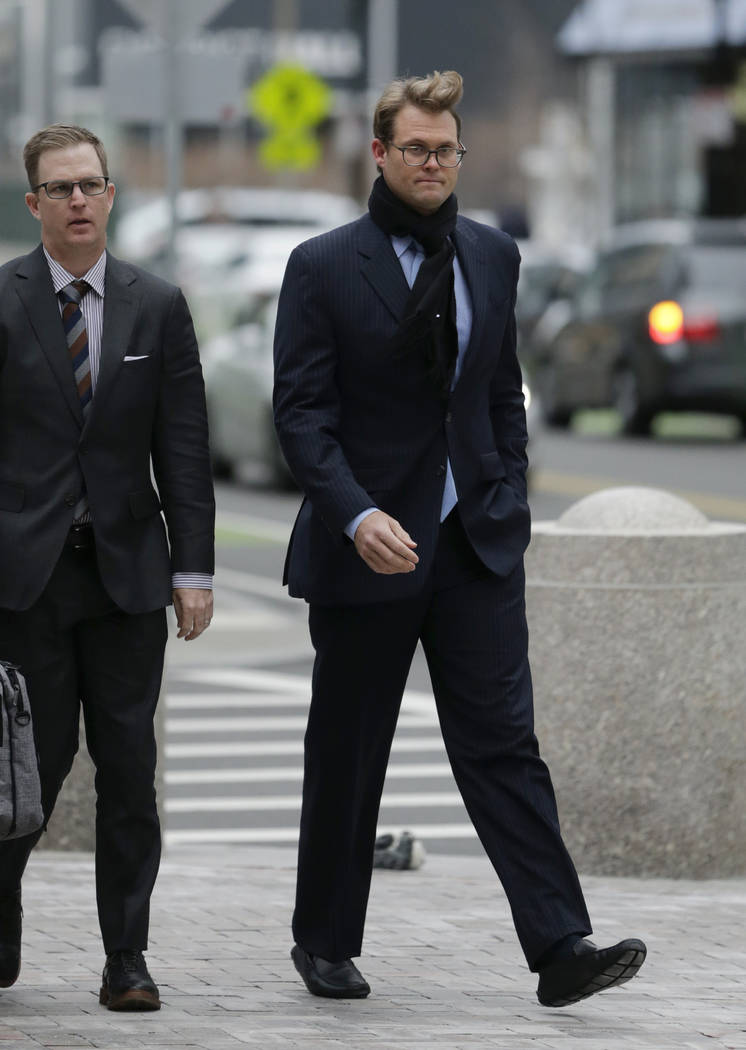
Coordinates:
[361,424]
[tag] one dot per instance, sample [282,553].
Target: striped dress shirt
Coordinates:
[92,308]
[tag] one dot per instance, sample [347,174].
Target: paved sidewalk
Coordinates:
[441,957]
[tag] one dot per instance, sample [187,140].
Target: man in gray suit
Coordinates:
[99,379]
[398,404]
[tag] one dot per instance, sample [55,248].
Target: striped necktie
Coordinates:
[76,335]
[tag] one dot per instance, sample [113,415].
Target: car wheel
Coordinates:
[221,468]
[552,413]
[220,465]
[636,417]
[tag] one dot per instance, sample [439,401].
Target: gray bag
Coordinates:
[20,790]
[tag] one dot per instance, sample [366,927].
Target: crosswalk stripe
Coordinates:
[208,702]
[249,749]
[268,723]
[175,777]
[231,804]
[271,681]
[426,832]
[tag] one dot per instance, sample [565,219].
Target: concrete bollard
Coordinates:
[637,615]
[72,825]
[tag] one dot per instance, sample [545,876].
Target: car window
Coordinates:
[715,266]
[622,278]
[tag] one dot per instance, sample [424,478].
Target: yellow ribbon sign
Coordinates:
[290,101]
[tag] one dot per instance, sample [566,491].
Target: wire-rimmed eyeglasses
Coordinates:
[58,189]
[446,156]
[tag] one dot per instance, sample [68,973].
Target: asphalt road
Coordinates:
[237,698]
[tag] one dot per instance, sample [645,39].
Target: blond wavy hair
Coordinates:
[437,93]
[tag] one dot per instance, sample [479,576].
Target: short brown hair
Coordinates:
[59,136]
[438,93]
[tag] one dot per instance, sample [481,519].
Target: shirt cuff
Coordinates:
[351,528]
[201,580]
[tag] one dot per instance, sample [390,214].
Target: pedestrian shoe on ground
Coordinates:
[334,980]
[588,970]
[10,938]
[126,983]
[399,852]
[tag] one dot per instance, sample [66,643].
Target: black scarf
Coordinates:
[428,326]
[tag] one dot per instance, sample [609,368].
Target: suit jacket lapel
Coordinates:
[121,305]
[36,292]
[474,265]
[381,268]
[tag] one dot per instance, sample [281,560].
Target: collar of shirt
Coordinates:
[96,276]
[401,244]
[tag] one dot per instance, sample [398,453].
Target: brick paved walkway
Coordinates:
[441,957]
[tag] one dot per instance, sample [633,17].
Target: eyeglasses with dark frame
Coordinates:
[417,156]
[59,189]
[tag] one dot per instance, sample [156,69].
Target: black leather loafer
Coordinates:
[126,983]
[10,938]
[334,980]
[589,970]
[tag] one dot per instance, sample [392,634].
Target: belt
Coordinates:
[80,537]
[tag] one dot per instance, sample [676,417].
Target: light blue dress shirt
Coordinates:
[410,255]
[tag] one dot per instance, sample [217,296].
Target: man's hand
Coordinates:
[193,607]
[384,545]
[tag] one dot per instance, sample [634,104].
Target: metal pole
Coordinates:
[383,45]
[49,81]
[35,69]
[601,108]
[173,129]
[285,15]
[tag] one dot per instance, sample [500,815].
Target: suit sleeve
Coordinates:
[306,397]
[181,459]
[507,409]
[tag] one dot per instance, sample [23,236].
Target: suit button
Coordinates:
[449,417]
[70,500]
[440,471]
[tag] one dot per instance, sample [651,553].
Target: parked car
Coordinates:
[142,231]
[547,275]
[239,376]
[658,324]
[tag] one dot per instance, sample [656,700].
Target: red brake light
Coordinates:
[702,330]
[666,324]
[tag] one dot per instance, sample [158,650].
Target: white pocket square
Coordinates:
[138,357]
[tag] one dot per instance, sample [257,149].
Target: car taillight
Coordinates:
[701,330]
[667,324]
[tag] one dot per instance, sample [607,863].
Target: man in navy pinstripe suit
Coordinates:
[399,409]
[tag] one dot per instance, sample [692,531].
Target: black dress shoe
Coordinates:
[126,983]
[589,970]
[10,938]
[334,980]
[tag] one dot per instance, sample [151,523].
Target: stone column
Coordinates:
[637,616]
[72,825]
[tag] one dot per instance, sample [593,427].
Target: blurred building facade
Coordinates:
[106,68]
[577,113]
[663,98]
